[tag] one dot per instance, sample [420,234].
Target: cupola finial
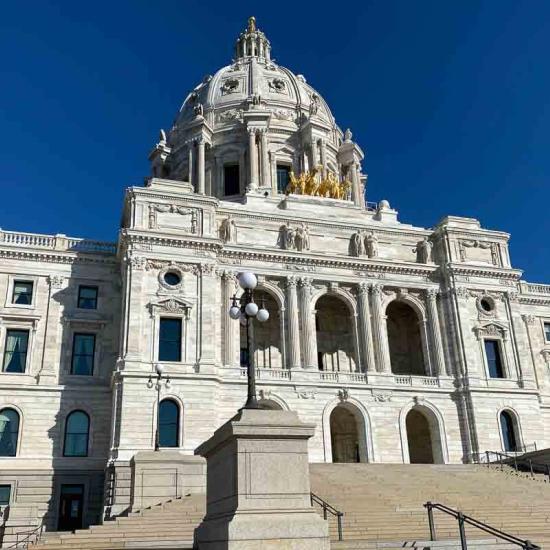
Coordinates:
[252,24]
[252,42]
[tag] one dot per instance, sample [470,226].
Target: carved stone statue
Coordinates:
[423,251]
[314,105]
[371,245]
[358,243]
[348,135]
[228,230]
[198,109]
[286,237]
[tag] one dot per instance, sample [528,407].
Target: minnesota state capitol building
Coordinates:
[401,344]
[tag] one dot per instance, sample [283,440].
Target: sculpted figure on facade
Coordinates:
[228,230]
[371,245]
[423,251]
[301,239]
[358,243]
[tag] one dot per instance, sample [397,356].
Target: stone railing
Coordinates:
[348,377]
[533,288]
[274,374]
[55,242]
[412,380]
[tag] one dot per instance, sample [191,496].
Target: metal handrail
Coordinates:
[517,463]
[328,508]
[463,519]
[34,534]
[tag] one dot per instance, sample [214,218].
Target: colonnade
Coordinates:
[367,324]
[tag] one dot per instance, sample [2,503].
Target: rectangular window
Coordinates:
[87,297]
[494,360]
[283,177]
[170,340]
[15,350]
[244,357]
[5,493]
[231,179]
[82,362]
[22,293]
[547,331]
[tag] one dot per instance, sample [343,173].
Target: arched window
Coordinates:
[9,432]
[77,431]
[169,423]
[509,439]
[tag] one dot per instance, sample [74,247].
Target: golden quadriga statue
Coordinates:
[311,183]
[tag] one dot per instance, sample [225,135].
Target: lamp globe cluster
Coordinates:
[248,307]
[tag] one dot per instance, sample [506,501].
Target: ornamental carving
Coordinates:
[277,86]
[491,330]
[283,114]
[230,86]
[529,319]
[229,115]
[481,245]
[546,355]
[294,238]
[137,262]
[264,394]
[171,305]
[305,393]
[343,394]
[382,397]
[190,215]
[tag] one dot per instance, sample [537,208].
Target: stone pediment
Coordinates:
[171,305]
[494,330]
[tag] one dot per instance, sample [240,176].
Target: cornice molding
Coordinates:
[57,257]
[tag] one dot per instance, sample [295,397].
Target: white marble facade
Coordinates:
[371,318]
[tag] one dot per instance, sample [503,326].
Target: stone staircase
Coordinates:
[382,504]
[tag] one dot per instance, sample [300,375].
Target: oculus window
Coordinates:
[9,432]
[169,421]
[231,179]
[77,431]
[22,293]
[87,297]
[283,177]
[82,361]
[494,359]
[170,339]
[15,350]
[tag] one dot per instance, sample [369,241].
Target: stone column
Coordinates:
[273,172]
[314,154]
[293,325]
[253,158]
[265,159]
[309,337]
[365,327]
[435,331]
[356,187]
[380,334]
[324,156]
[231,327]
[200,167]
[190,146]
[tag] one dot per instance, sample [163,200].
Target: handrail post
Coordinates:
[500,460]
[548,471]
[462,531]
[431,520]
[516,462]
[488,459]
[531,467]
[339,516]
[325,510]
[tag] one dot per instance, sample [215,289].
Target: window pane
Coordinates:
[5,491]
[494,360]
[508,434]
[9,431]
[170,340]
[22,292]
[83,354]
[15,351]
[76,434]
[547,331]
[87,297]
[168,423]
[231,179]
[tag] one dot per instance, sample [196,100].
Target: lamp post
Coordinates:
[159,370]
[245,310]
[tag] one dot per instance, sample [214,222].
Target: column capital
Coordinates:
[363,288]
[291,281]
[56,281]
[432,293]
[252,130]
[305,281]
[376,289]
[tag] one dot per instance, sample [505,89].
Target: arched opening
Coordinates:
[269,405]
[509,433]
[423,437]
[335,350]
[77,432]
[404,339]
[169,423]
[266,336]
[347,435]
[9,432]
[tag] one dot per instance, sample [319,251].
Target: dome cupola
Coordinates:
[255,126]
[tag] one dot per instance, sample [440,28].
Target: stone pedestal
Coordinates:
[258,491]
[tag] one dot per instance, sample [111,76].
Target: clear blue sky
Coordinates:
[449,99]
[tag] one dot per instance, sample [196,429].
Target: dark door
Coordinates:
[71,503]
